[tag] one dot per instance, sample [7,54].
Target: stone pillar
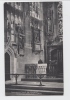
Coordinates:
[49,61]
[15,65]
[15,69]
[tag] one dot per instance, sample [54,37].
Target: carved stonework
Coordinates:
[59,10]
[14,26]
[21,42]
[15,51]
[50,21]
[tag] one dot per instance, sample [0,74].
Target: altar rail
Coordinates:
[40,76]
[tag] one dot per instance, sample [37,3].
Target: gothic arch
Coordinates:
[11,54]
[10,51]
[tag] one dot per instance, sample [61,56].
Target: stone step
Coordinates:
[32,92]
[34,87]
[46,80]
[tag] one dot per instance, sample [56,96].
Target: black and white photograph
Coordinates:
[33,48]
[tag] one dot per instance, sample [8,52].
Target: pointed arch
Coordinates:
[10,51]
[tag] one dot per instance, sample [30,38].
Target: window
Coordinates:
[37,36]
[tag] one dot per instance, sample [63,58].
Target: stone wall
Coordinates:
[29,56]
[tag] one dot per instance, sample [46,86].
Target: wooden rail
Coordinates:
[38,75]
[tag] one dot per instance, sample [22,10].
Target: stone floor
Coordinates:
[27,88]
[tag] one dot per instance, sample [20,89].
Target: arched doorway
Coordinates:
[7,66]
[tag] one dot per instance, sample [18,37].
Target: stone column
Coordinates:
[15,65]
